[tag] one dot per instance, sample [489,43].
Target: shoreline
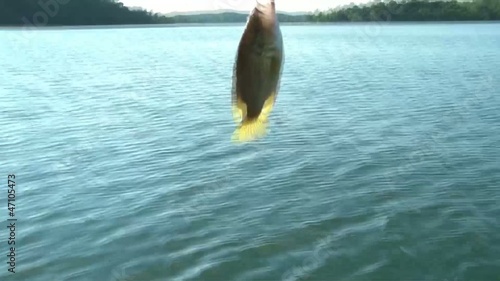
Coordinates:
[177,25]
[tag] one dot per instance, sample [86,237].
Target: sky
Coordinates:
[168,6]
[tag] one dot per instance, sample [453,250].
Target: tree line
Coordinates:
[72,12]
[104,12]
[413,10]
[110,12]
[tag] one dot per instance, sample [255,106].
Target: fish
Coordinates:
[257,72]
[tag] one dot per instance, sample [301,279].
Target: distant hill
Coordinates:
[228,16]
[109,12]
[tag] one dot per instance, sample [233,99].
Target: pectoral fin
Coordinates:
[267,108]
[239,111]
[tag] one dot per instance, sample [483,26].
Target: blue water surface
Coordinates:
[382,163]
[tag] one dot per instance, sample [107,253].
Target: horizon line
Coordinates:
[216,11]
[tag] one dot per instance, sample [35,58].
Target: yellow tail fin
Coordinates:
[250,130]
[253,129]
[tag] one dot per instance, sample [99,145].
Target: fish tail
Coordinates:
[253,128]
[250,129]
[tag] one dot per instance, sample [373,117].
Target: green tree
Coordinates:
[73,12]
[414,10]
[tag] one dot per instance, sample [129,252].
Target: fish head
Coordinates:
[264,22]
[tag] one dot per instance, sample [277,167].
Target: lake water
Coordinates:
[382,163]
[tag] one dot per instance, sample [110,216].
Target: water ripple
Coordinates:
[382,162]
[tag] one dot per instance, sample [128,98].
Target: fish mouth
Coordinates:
[265,7]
